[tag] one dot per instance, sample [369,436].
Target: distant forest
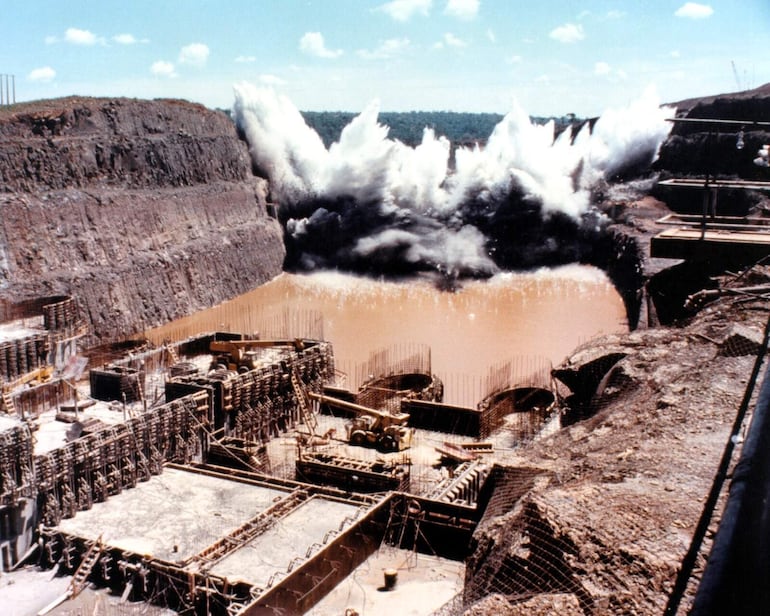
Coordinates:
[407,127]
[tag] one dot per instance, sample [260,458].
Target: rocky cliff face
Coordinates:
[145,211]
[697,149]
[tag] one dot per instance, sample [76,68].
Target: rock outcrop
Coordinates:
[724,151]
[144,211]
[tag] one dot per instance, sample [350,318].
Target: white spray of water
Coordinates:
[408,200]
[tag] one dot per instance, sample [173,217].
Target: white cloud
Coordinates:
[50,39]
[568,33]
[312,43]
[271,80]
[450,40]
[615,14]
[491,36]
[402,10]
[514,60]
[386,49]
[161,68]
[693,10]
[675,53]
[43,74]
[77,36]
[603,69]
[194,54]
[462,9]
[128,39]
[246,59]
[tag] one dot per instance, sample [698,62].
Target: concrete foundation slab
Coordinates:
[424,584]
[20,328]
[8,422]
[173,516]
[52,434]
[291,537]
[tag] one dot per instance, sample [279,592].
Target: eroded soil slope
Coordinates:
[597,518]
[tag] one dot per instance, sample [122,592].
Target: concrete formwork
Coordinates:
[238,537]
[401,522]
[446,418]
[248,544]
[16,475]
[352,474]
[172,517]
[224,541]
[424,583]
[102,464]
[261,403]
[17,491]
[271,554]
[49,341]
[531,407]
[305,585]
[251,405]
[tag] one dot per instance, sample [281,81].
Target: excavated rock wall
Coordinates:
[697,149]
[144,211]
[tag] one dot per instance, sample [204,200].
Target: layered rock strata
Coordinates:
[145,211]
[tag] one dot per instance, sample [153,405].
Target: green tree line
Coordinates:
[407,127]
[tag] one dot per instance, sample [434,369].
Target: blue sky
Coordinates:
[552,56]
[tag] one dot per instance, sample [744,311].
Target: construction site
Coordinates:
[230,474]
[157,461]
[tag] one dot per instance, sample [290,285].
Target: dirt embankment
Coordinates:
[144,211]
[616,496]
[597,518]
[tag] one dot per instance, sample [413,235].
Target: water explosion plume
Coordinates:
[374,205]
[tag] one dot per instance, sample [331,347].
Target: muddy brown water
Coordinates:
[528,320]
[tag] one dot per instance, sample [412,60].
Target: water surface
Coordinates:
[526,319]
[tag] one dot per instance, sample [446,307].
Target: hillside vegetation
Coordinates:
[407,127]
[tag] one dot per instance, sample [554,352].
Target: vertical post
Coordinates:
[733,578]
[1,91]
[707,185]
[13,81]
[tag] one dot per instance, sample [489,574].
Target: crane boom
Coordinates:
[397,419]
[372,427]
[226,346]
[735,74]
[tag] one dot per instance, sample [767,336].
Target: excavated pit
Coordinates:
[125,503]
[594,518]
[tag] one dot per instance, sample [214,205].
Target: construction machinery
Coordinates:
[37,376]
[238,354]
[370,427]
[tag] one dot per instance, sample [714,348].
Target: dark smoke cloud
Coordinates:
[374,205]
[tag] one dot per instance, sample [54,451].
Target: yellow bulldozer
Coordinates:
[237,354]
[370,427]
